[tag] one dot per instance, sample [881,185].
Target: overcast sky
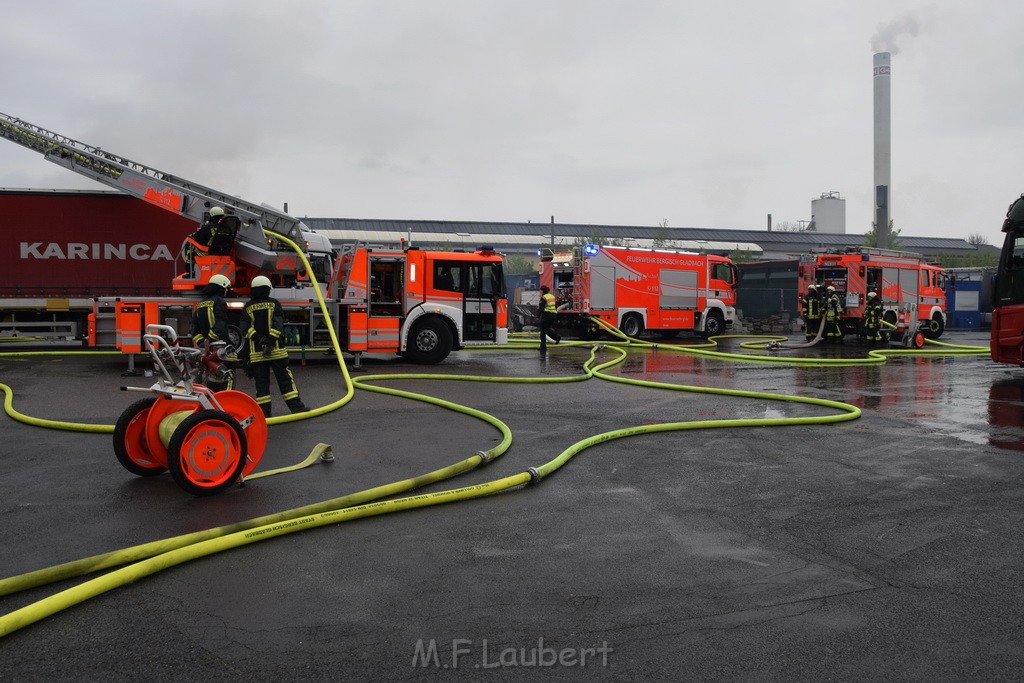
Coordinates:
[704,114]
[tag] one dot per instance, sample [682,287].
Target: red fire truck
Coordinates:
[912,291]
[400,299]
[641,289]
[1007,340]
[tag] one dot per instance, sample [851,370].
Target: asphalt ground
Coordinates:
[885,547]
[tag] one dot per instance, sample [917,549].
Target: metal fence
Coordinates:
[758,303]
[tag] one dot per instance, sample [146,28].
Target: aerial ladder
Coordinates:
[252,244]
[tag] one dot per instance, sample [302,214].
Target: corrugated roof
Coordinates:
[774,241]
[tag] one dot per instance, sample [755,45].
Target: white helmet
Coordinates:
[812,286]
[871,295]
[261,281]
[217,211]
[221,280]
[831,288]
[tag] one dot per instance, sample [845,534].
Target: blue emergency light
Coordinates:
[590,250]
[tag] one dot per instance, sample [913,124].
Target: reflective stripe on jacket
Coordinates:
[263,319]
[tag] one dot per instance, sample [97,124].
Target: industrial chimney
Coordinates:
[883,147]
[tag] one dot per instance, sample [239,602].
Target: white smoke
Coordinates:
[886,38]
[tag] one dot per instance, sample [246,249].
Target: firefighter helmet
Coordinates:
[217,211]
[871,295]
[221,280]
[811,287]
[261,281]
[831,288]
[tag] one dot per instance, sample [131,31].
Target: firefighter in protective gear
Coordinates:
[263,327]
[833,308]
[216,235]
[873,320]
[210,323]
[812,312]
[548,312]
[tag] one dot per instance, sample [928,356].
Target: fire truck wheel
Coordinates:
[935,328]
[430,342]
[130,440]
[714,325]
[632,325]
[235,339]
[207,452]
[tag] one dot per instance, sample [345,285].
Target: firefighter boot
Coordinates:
[296,405]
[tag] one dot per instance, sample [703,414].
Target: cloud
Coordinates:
[594,111]
[888,35]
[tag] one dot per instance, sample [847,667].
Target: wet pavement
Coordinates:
[888,546]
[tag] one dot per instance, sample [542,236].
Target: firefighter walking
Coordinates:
[210,326]
[548,313]
[873,320]
[812,312]
[262,328]
[833,308]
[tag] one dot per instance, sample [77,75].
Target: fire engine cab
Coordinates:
[912,292]
[641,289]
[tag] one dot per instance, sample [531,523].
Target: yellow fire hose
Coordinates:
[187,548]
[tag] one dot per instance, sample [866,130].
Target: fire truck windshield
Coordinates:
[1009,288]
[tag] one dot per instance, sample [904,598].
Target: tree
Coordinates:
[519,264]
[977,239]
[871,238]
[791,226]
[741,256]
[593,237]
[972,261]
[662,238]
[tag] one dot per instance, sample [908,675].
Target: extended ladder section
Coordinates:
[160,189]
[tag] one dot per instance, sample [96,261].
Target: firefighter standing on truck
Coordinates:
[812,312]
[833,308]
[873,320]
[263,327]
[210,321]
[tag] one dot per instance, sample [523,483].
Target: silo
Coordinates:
[828,213]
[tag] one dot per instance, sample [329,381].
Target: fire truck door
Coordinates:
[908,288]
[679,289]
[602,287]
[387,286]
[890,292]
[482,288]
[873,280]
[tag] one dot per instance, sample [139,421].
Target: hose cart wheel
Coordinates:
[130,445]
[207,452]
[249,415]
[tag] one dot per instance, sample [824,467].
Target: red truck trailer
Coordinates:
[61,249]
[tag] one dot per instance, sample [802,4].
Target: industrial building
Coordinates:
[527,238]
